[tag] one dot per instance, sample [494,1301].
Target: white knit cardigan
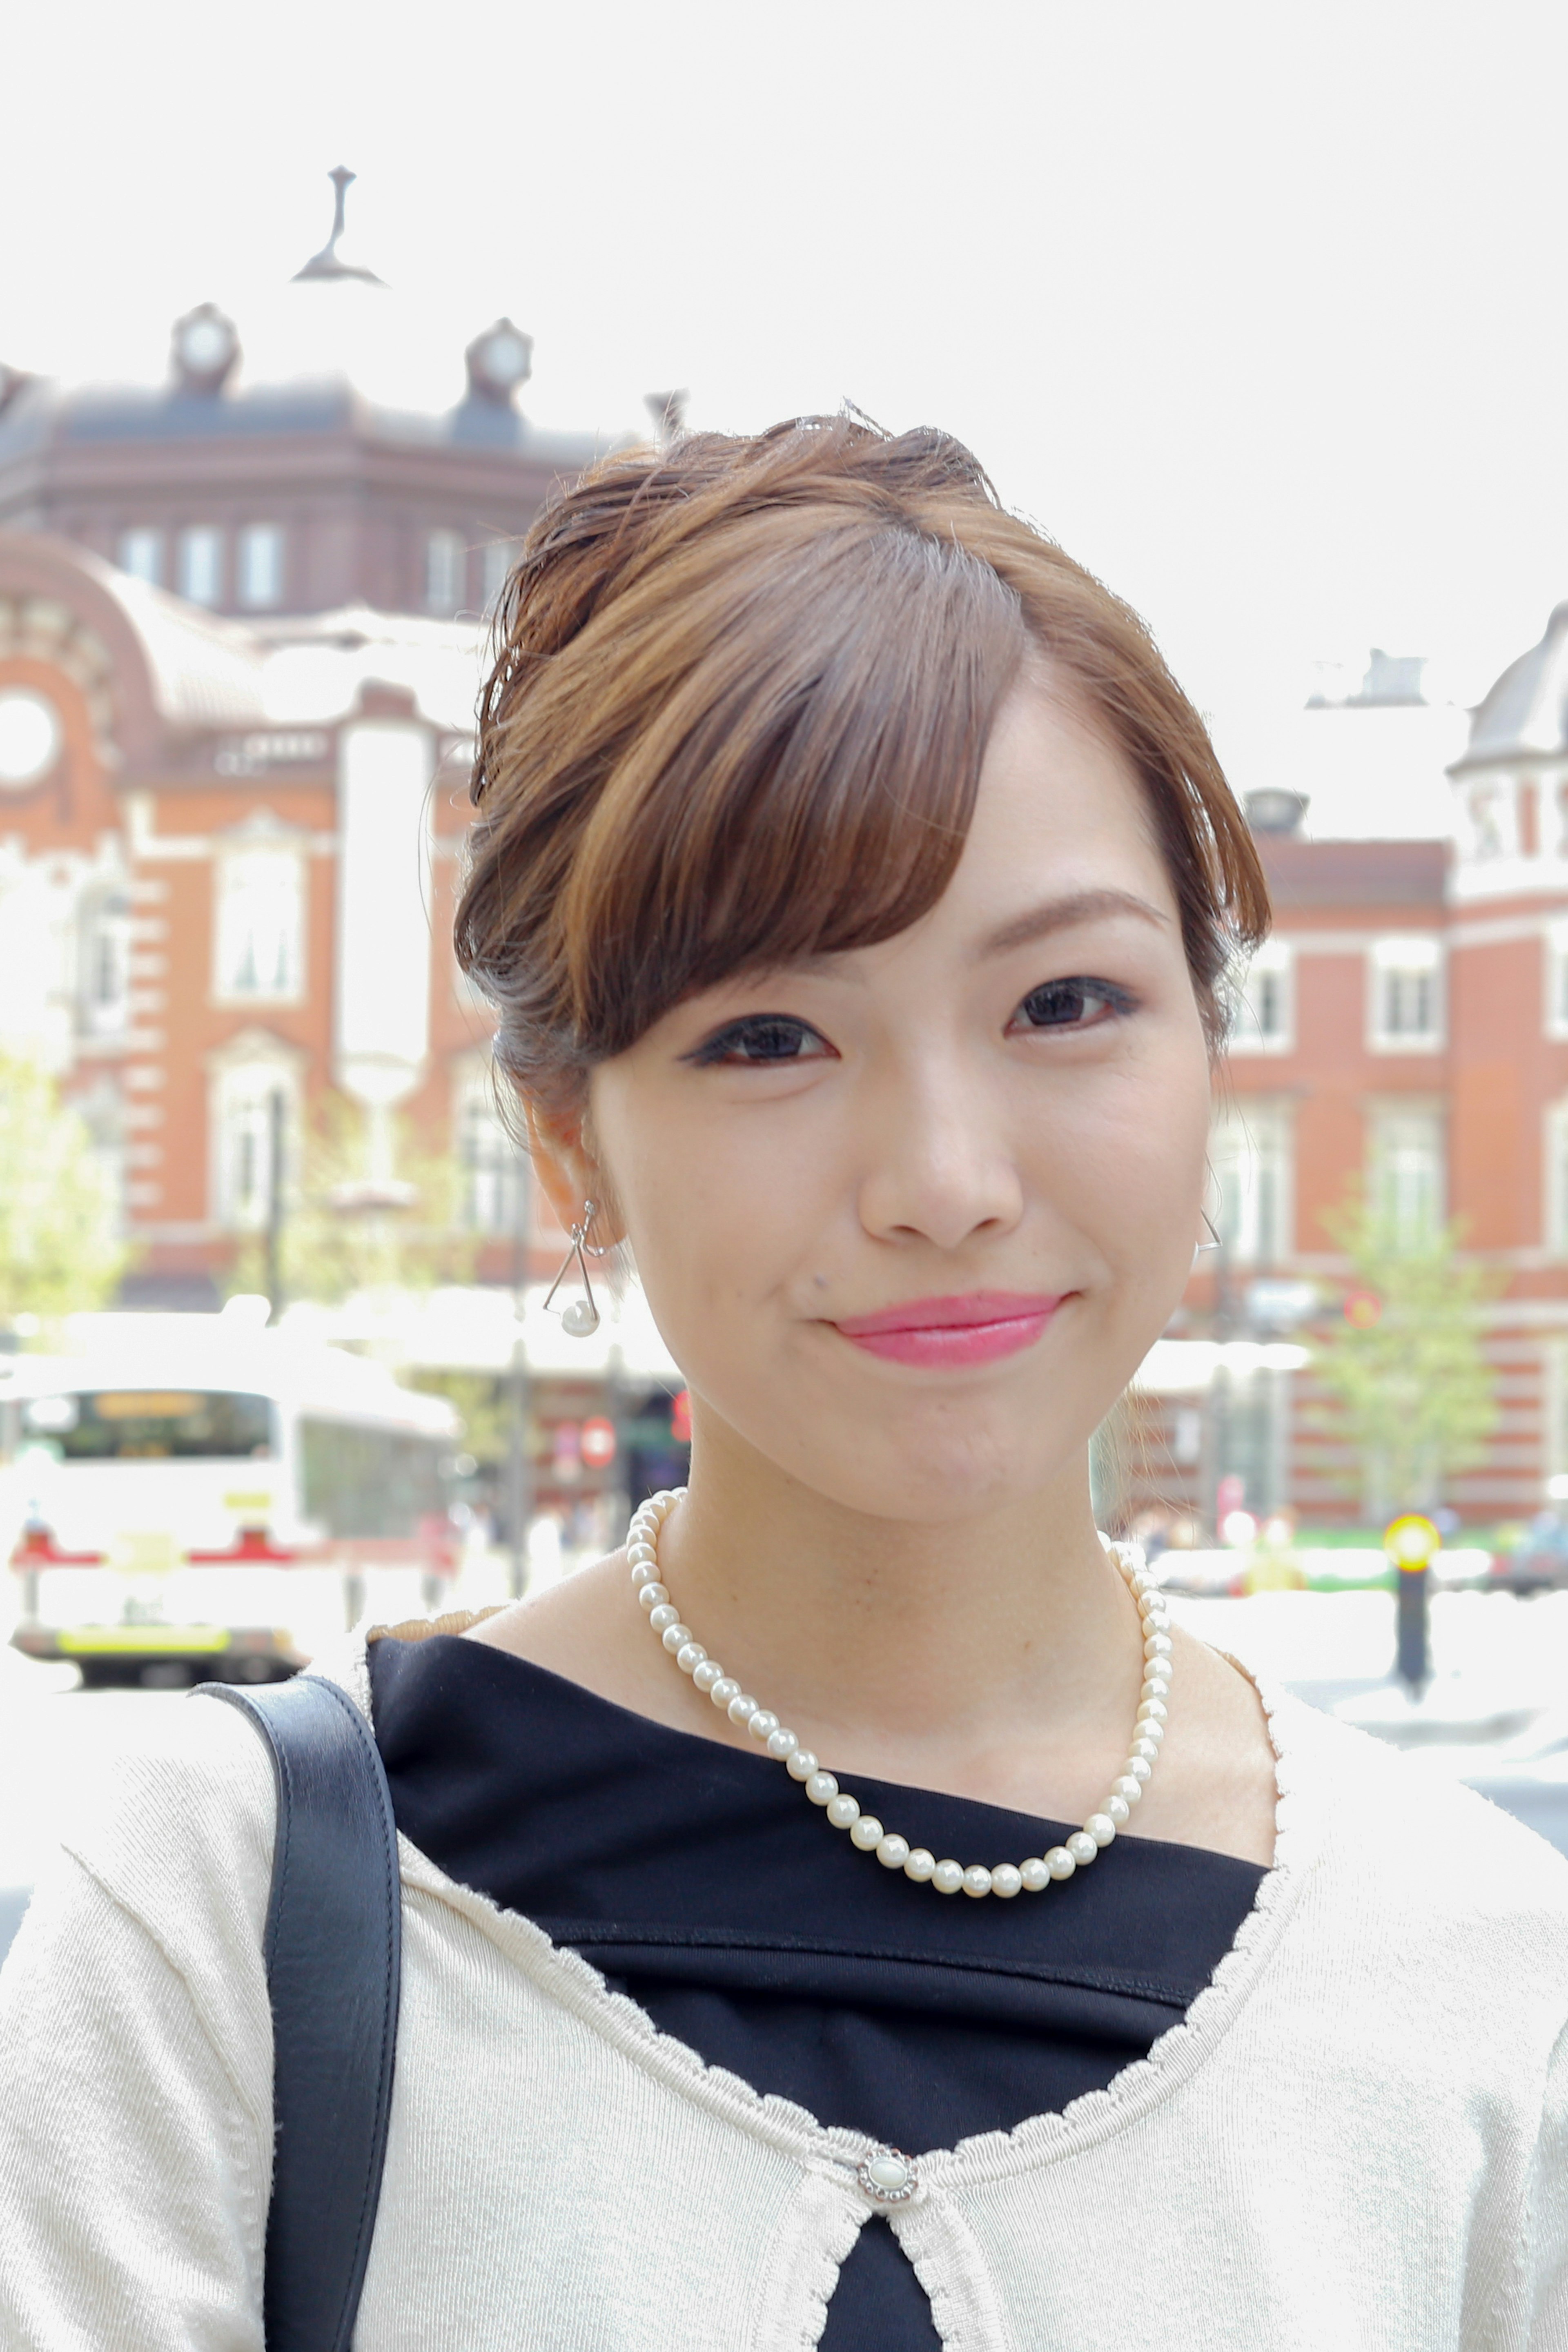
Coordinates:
[1356,2141]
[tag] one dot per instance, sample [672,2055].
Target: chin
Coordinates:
[939,1477]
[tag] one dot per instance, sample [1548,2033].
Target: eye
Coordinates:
[761,1037]
[1075,1003]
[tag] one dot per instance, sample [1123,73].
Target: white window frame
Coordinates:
[1270,985]
[1554,978]
[104,937]
[491,1164]
[1384,1143]
[199,564]
[1416,955]
[497,556]
[237,874]
[139,550]
[446,568]
[1491,819]
[1554,1184]
[1254,1216]
[261,551]
[242,1082]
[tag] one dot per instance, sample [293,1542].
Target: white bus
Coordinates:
[189,1500]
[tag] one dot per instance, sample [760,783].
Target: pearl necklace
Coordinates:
[895,1853]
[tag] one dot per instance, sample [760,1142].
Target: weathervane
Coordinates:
[327,263]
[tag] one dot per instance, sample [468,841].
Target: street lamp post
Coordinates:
[519,1483]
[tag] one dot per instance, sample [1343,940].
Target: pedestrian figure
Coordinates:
[850,1914]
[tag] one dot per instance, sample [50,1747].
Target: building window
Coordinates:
[105,964]
[1554,949]
[495,1173]
[260,925]
[141,554]
[200,571]
[254,1117]
[1249,1153]
[499,555]
[444,567]
[1407,995]
[1492,810]
[260,566]
[1265,1013]
[1405,1155]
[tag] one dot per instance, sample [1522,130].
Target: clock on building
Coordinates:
[31,737]
[206,346]
[500,362]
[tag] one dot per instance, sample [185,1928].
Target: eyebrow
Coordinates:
[1061,914]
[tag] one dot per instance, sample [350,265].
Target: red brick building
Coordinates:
[1407,1024]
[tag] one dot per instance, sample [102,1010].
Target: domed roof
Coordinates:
[1525,715]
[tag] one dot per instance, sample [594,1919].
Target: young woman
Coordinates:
[849,1914]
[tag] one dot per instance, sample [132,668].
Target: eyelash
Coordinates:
[726,1048]
[1117,1001]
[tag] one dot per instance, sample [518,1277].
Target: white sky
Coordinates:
[1259,308]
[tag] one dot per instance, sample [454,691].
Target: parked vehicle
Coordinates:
[202,1502]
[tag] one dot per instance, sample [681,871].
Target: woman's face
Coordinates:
[909,1217]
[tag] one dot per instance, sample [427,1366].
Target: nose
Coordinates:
[938,1166]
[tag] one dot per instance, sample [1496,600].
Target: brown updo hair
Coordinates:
[741,695]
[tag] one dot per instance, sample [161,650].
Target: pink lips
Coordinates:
[975,1328]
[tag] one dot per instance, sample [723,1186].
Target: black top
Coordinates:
[698,1879]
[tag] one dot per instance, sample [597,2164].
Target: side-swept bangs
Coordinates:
[741,700]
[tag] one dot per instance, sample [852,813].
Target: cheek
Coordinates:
[1138,1172]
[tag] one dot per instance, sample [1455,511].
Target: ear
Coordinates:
[567,1173]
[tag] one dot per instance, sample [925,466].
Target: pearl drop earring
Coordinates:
[581,1319]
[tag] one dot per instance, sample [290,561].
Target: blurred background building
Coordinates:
[242,628]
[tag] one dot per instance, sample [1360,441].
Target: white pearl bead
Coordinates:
[844,1810]
[782,1744]
[821,1788]
[1151,1710]
[1100,1828]
[1059,1862]
[740,1710]
[1119,1809]
[947,1877]
[920,1865]
[690,1656]
[640,1550]
[1157,1686]
[1149,1728]
[892,1851]
[707,1674]
[1157,1646]
[1147,1750]
[800,1764]
[663,1613]
[1127,1789]
[866,1833]
[644,1572]
[1034,1874]
[977,1880]
[724,1690]
[1006,1880]
[675,1637]
[1082,1847]
[763,1724]
[1139,1768]
[652,1596]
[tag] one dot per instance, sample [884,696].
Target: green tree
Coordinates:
[61,1247]
[369,1210]
[1403,1362]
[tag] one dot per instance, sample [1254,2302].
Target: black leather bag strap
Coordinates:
[333,1954]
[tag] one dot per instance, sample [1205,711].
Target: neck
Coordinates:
[900,1633]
